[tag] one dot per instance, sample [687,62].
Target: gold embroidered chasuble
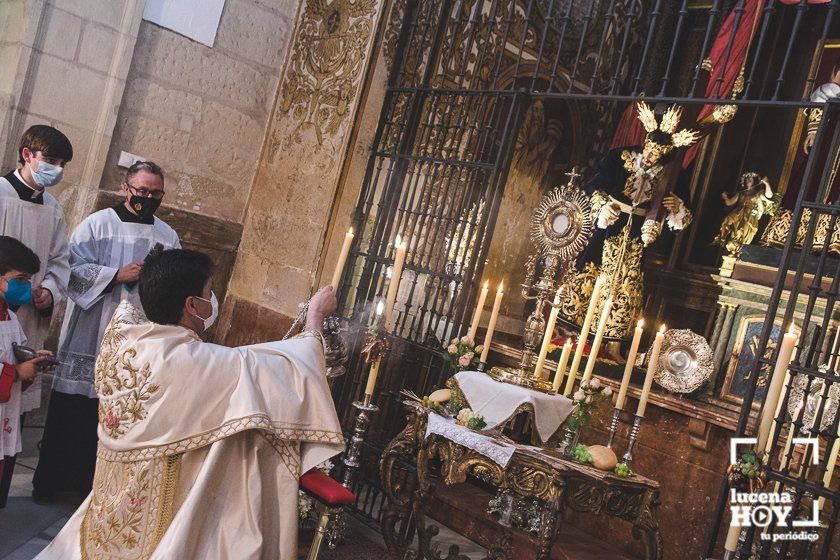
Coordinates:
[200,446]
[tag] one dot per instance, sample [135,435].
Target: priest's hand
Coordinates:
[129,273]
[322,304]
[42,298]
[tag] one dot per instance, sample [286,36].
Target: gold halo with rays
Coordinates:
[562,223]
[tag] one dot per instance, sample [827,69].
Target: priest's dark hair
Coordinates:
[147,166]
[14,255]
[51,142]
[168,278]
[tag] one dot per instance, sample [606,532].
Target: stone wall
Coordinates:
[302,160]
[64,63]
[201,112]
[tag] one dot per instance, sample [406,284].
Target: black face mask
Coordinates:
[145,207]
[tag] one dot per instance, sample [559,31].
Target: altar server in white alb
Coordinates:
[34,217]
[200,446]
[106,253]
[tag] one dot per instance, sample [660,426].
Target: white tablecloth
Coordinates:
[499,452]
[498,401]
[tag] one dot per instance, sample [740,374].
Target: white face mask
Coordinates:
[47,174]
[214,305]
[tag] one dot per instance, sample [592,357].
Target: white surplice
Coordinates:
[99,247]
[40,227]
[200,446]
[10,444]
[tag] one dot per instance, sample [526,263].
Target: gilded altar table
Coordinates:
[558,484]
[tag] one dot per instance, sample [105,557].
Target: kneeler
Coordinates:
[331,497]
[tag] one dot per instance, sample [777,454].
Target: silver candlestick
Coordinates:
[634,433]
[352,458]
[613,426]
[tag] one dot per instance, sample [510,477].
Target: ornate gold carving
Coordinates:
[778,228]
[540,477]
[322,78]
[578,292]
[751,202]
[130,509]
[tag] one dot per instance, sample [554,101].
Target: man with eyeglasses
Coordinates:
[106,254]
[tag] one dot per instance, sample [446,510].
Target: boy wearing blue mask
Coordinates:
[17,265]
[30,214]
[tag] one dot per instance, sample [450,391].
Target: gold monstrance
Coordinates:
[560,229]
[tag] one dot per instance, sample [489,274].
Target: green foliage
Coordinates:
[622,470]
[582,454]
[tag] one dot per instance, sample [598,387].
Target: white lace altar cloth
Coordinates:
[498,452]
[498,401]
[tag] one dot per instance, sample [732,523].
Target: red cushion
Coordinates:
[325,489]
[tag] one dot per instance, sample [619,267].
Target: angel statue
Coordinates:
[752,201]
[631,201]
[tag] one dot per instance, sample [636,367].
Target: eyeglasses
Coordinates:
[145,193]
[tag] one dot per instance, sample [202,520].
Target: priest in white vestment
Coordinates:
[106,253]
[35,218]
[200,446]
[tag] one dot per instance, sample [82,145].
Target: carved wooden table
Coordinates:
[556,482]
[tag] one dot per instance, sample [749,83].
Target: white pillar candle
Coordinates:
[774,389]
[342,259]
[491,326]
[584,334]
[549,332]
[654,358]
[394,286]
[596,344]
[631,361]
[561,365]
[479,309]
[732,537]
[374,367]
[768,447]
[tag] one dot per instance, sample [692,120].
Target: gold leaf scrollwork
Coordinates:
[326,64]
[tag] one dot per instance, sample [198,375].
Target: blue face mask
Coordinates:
[18,293]
[47,174]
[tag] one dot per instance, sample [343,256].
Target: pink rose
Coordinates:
[466,341]
[595,383]
[579,395]
[132,503]
[607,392]
[111,420]
[464,360]
[452,349]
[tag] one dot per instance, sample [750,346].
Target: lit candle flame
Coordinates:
[501,287]
[568,342]
[791,330]
[350,231]
[662,328]
[397,241]
[380,307]
[641,323]
[486,284]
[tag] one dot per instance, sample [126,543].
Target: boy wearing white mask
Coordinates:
[106,254]
[35,218]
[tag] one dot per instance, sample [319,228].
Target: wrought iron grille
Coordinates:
[464,73]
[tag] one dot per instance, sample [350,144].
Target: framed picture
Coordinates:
[822,63]
[740,370]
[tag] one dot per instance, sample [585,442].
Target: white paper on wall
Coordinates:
[196,19]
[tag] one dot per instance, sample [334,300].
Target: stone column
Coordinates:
[725,333]
[303,156]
